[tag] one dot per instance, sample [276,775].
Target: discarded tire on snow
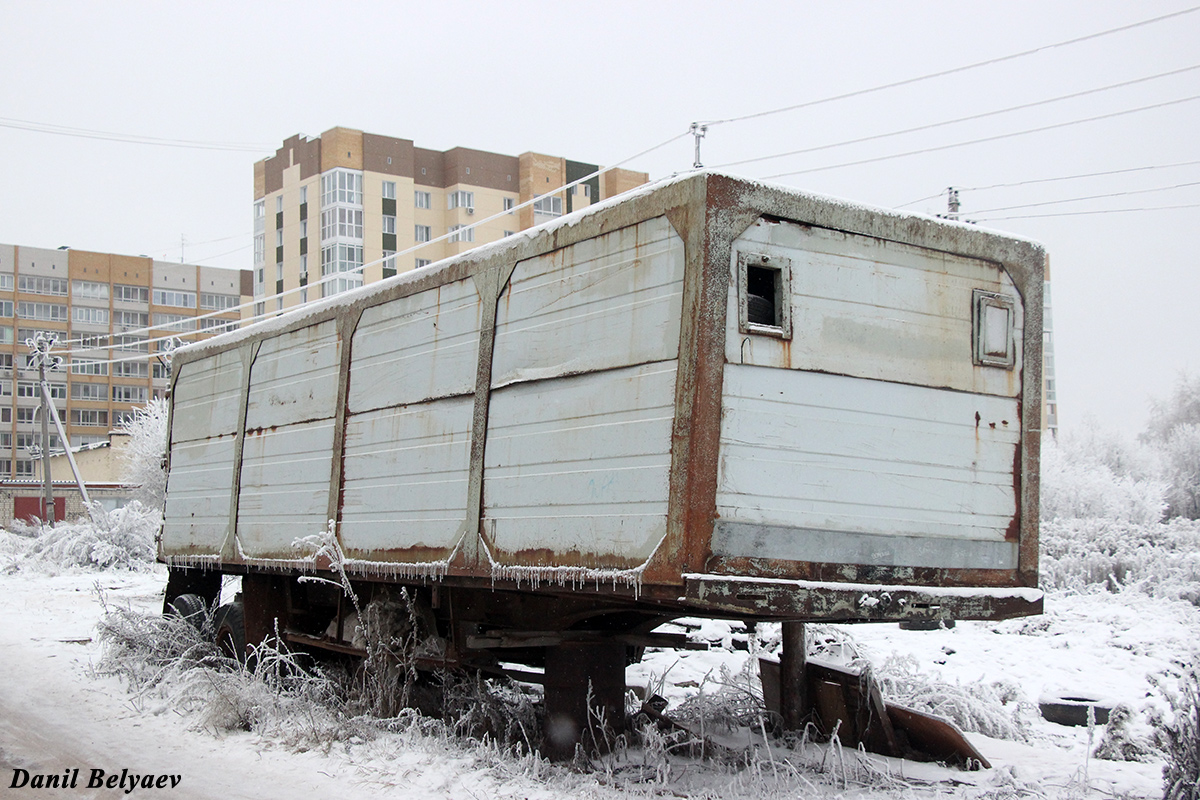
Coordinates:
[1073,709]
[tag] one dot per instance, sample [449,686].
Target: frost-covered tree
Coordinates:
[1099,475]
[146,452]
[1174,431]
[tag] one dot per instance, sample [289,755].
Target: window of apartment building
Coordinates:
[128,394]
[304,266]
[25,415]
[279,304]
[303,229]
[423,199]
[341,186]
[35,284]
[508,204]
[135,343]
[92,392]
[89,290]
[23,468]
[279,237]
[160,371]
[6,308]
[131,294]
[130,369]
[6,441]
[85,315]
[6,334]
[261,276]
[168,297]
[174,323]
[260,309]
[33,389]
[6,281]
[423,262]
[344,260]
[551,206]
[389,224]
[279,272]
[49,312]
[460,199]
[260,222]
[130,320]
[84,366]
[389,190]
[218,302]
[303,195]
[304,295]
[422,233]
[6,360]
[461,233]
[90,417]
[5,388]
[389,262]
[120,418]
[343,223]
[278,204]
[215,326]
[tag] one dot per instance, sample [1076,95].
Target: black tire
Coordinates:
[191,608]
[230,624]
[1073,710]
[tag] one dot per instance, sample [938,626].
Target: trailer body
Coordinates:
[706,397]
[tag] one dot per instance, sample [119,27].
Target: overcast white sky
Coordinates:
[602,81]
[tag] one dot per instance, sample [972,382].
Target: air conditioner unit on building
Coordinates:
[470,209]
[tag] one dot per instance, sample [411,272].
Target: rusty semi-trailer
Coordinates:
[709,397]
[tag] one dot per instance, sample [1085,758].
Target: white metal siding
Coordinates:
[416,348]
[294,378]
[876,309]
[604,302]
[581,465]
[406,473]
[197,502]
[805,455]
[285,487]
[206,398]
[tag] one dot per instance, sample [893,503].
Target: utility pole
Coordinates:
[698,131]
[40,346]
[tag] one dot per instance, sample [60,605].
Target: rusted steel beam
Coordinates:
[793,680]
[585,697]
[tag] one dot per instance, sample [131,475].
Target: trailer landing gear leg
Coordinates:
[793,680]
[585,697]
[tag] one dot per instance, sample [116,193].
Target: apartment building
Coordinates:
[106,310]
[329,205]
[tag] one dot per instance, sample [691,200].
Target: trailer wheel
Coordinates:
[230,624]
[190,608]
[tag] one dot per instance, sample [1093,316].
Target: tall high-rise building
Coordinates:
[329,205]
[105,310]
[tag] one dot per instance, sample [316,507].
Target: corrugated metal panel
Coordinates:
[876,309]
[295,378]
[604,302]
[578,467]
[406,473]
[205,399]
[804,451]
[197,503]
[285,487]
[416,348]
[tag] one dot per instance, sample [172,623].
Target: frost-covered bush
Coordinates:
[1161,560]
[120,539]
[994,709]
[145,454]
[1174,431]
[1181,774]
[1082,479]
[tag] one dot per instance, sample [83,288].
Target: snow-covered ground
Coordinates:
[57,714]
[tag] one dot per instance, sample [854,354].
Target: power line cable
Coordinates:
[129,138]
[1088,213]
[1033,181]
[1070,177]
[969,118]
[955,70]
[1089,197]
[983,139]
[340,275]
